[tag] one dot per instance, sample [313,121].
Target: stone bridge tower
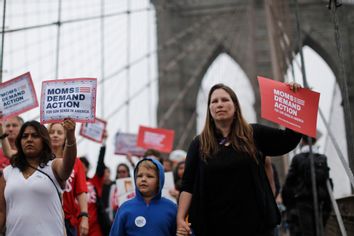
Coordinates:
[260,35]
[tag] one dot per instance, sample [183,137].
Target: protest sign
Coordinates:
[294,110]
[126,143]
[74,98]
[18,95]
[94,131]
[125,189]
[169,185]
[156,138]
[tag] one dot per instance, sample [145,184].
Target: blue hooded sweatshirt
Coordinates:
[135,217]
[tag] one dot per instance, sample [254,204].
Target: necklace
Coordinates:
[224,141]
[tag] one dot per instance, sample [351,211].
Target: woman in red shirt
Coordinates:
[74,197]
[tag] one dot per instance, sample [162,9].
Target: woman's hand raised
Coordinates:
[69,126]
[294,86]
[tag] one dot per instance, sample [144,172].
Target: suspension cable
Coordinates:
[57,57]
[339,152]
[336,209]
[72,21]
[311,156]
[163,72]
[343,78]
[173,40]
[2,40]
[137,93]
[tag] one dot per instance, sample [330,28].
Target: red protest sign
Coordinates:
[94,131]
[297,111]
[156,138]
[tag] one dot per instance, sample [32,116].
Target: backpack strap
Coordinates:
[56,188]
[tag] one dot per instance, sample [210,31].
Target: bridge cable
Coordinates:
[170,65]
[311,156]
[164,71]
[2,40]
[343,74]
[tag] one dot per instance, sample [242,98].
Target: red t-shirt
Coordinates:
[4,161]
[75,185]
[95,182]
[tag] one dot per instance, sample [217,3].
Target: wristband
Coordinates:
[4,135]
[83,214]
[70,145]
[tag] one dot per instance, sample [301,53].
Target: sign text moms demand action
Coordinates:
[64,98]
[287,104]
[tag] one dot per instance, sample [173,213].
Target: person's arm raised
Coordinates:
[100,162]
[5,144]
[63,167]
[6,147]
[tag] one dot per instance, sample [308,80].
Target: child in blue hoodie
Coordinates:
[147,213]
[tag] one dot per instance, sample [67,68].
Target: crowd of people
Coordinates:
[224,183]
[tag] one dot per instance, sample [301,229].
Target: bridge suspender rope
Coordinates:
[345,165]
[169,65]
[318,223]
[2,40]
[168,43]
[173,62]
[343,78]
[336,209]
[57,57]
[334,142]
[102,31]
[165,45]
[164,71]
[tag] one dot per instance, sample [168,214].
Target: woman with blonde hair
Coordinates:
[76,214]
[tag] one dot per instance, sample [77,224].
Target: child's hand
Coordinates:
[183,228]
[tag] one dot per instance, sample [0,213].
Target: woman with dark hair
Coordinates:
[123,171]
[30,189]
[74,196]
[224,188]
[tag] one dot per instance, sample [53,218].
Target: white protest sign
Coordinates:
[94,131]
[125,190]
[74,98]
[169,185]
[18,95]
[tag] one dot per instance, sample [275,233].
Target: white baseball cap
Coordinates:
[177,155]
